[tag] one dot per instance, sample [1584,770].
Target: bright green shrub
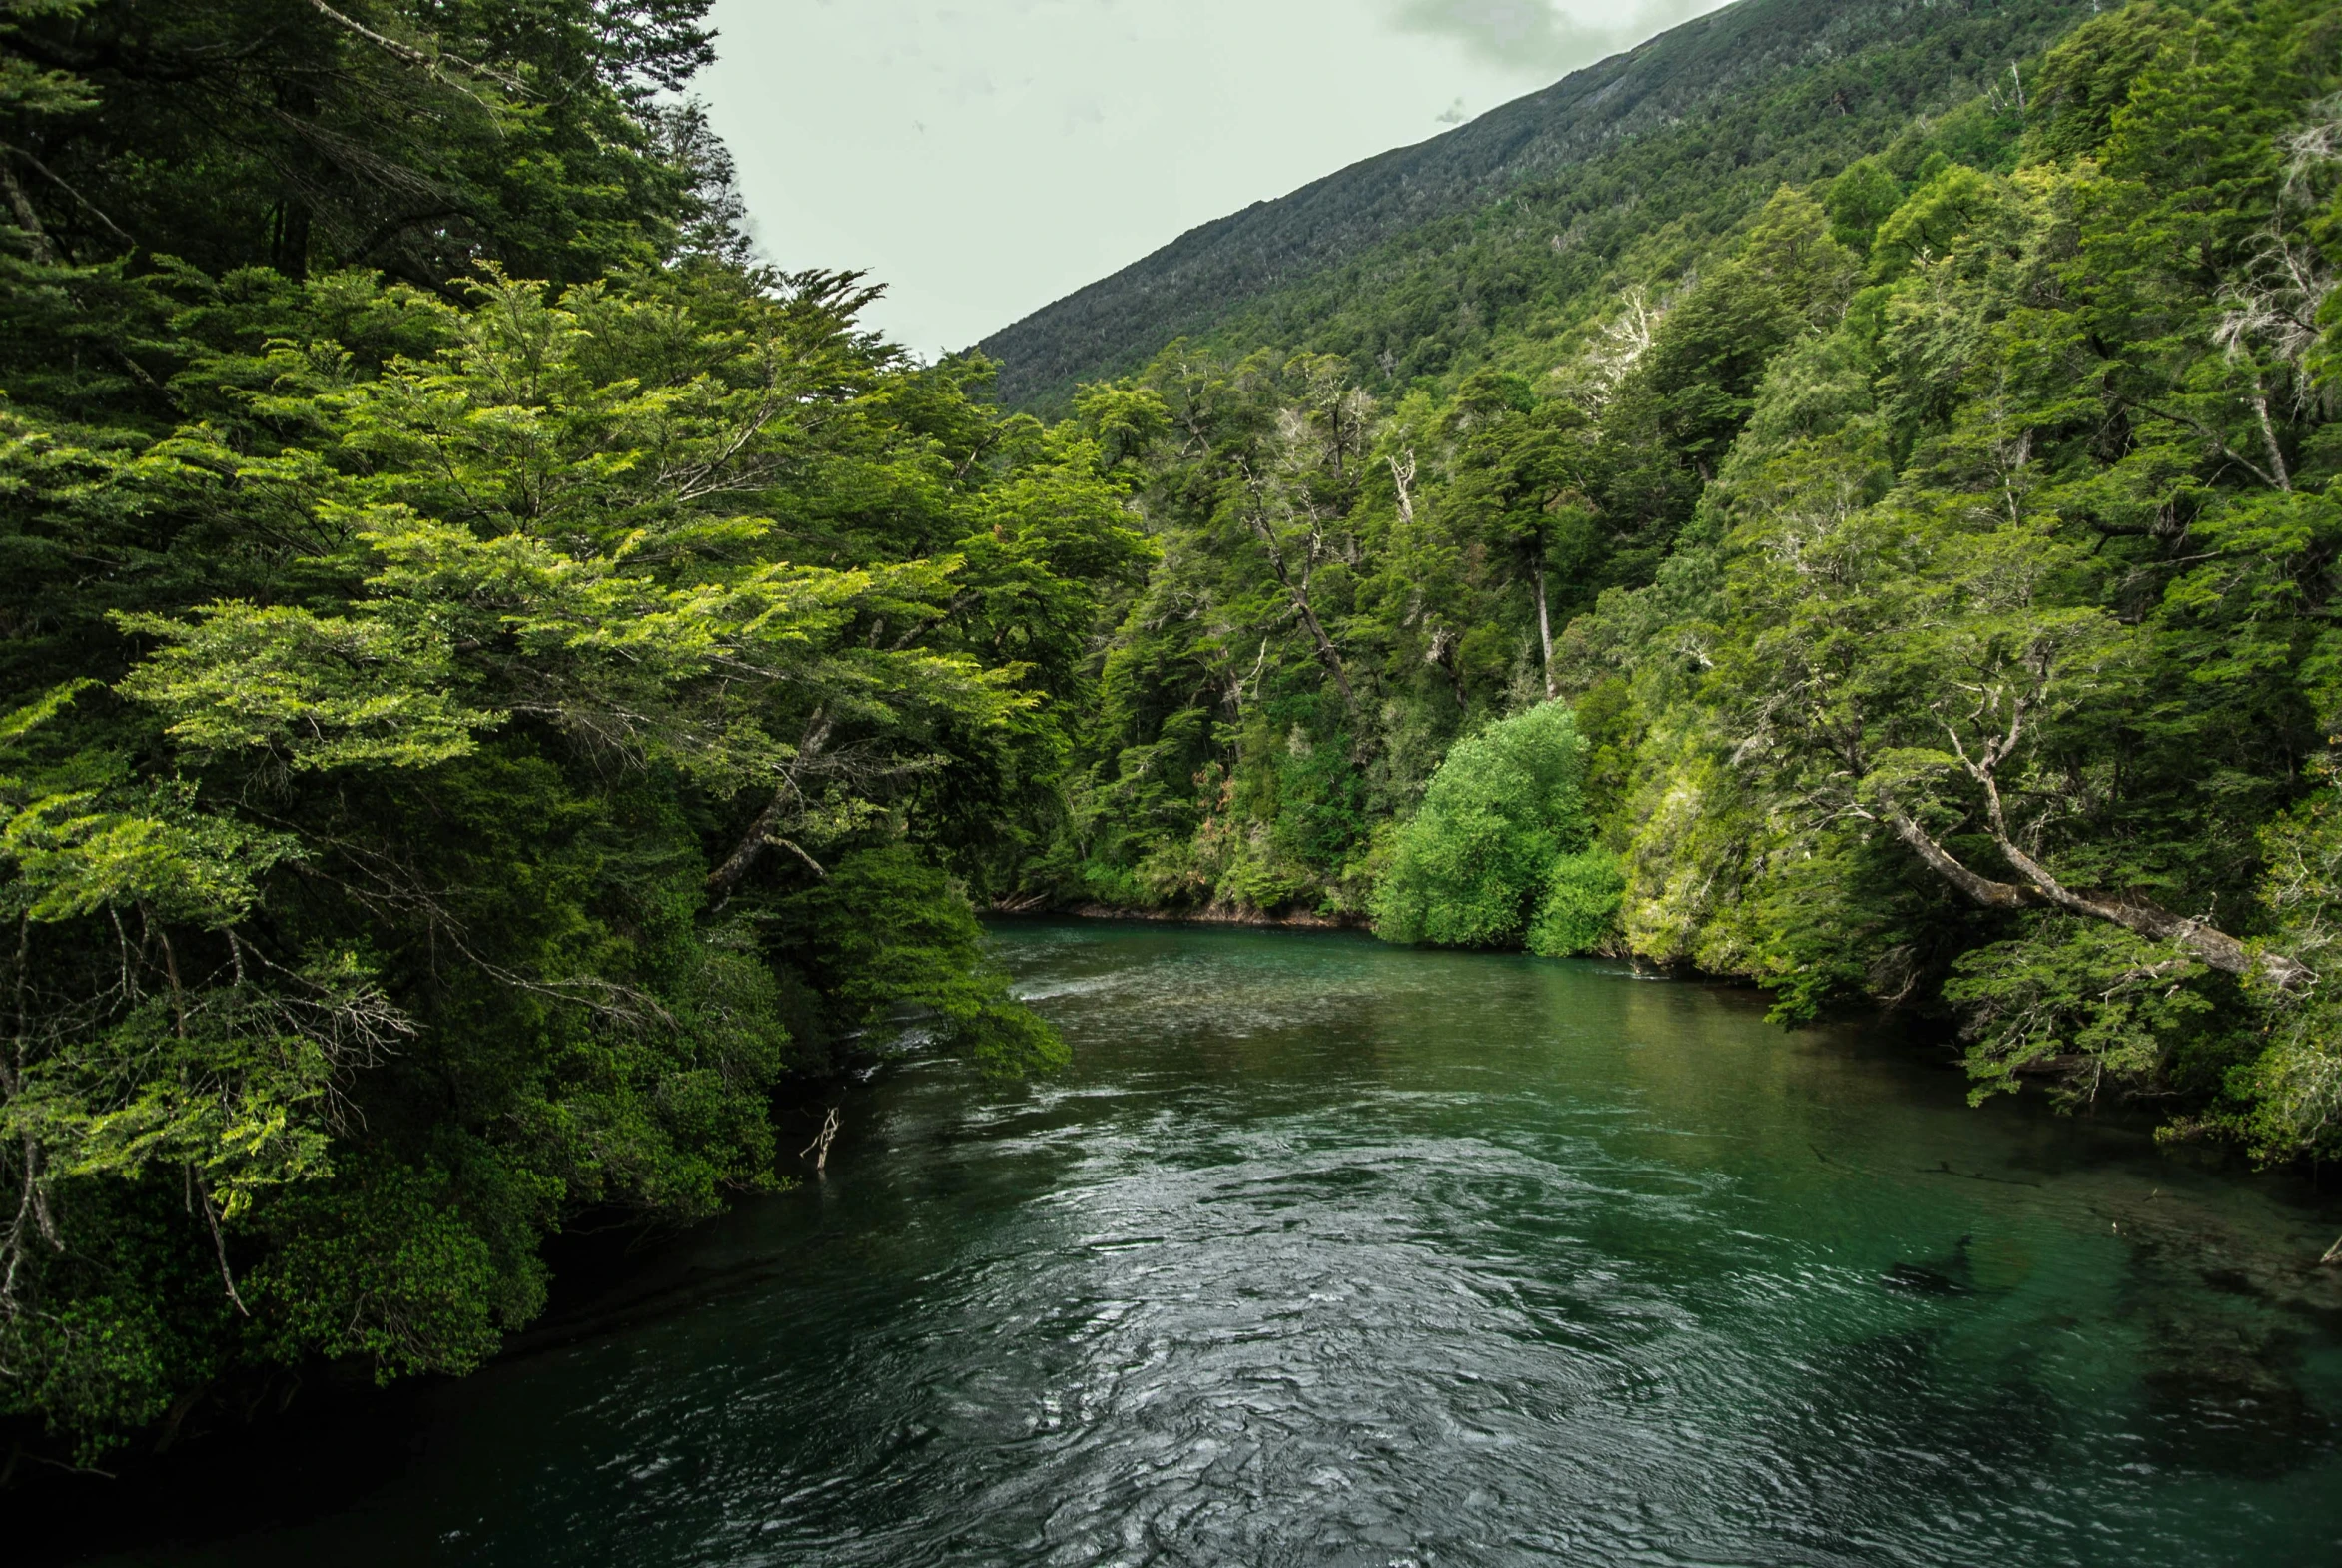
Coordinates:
[1478,855]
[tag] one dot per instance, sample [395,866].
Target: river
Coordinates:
[1327,1252]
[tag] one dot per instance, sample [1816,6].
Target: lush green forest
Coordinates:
[1917,594]
[499,690]
[495,684]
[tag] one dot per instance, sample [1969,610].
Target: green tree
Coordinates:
[470,742]
[1474,865]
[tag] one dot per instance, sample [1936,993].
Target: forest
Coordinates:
[497,683]
[500,687]
[1915,594]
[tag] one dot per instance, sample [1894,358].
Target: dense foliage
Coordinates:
[1937,561]
[492,686]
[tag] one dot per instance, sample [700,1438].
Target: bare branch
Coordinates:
[219,1242]
[1405,476]
[36,238]
[23,212]
[1984,890]
[412,55]
[1442,654]
[2131,911]
[2220,445]
[2260,406]
[725,878]
[1298,596]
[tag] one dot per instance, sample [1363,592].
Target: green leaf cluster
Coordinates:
[1501,837]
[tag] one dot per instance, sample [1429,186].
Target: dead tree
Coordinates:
[1544,621]
[820,1146]
[1443,655]
[1296,590]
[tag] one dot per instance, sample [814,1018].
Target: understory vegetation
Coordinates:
[496,685]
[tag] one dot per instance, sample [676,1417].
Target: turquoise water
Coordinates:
[1326,1252]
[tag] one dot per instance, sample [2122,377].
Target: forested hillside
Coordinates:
[498,690]
[1411,261]
[492,684]
[1934,569]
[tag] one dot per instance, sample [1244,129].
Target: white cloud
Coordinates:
[1542,34]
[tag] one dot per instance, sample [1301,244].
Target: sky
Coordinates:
[982,158]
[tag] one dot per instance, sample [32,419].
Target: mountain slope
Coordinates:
[1822,61]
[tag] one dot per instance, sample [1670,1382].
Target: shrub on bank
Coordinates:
[1503,835]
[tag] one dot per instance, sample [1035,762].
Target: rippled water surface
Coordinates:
[1326,1252]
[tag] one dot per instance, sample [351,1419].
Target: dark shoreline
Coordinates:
[1212,913]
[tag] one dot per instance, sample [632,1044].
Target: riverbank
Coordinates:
[1217,913]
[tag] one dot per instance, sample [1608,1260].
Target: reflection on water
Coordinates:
[1329,1253]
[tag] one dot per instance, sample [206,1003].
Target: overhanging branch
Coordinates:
[2207,944]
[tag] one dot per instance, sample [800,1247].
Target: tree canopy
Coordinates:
[495,684]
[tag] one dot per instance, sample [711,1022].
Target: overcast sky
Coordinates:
[985,157]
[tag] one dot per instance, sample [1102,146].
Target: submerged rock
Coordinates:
[1951,1275]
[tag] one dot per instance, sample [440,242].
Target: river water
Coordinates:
[1327,1252]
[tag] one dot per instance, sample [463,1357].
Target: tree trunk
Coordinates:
[288,243]
[1327,654]
[1990,894]
[1545,628]
[36,238]
[1300,595]
[2277,471]
[289,234]
[743,859]
[1443,646]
